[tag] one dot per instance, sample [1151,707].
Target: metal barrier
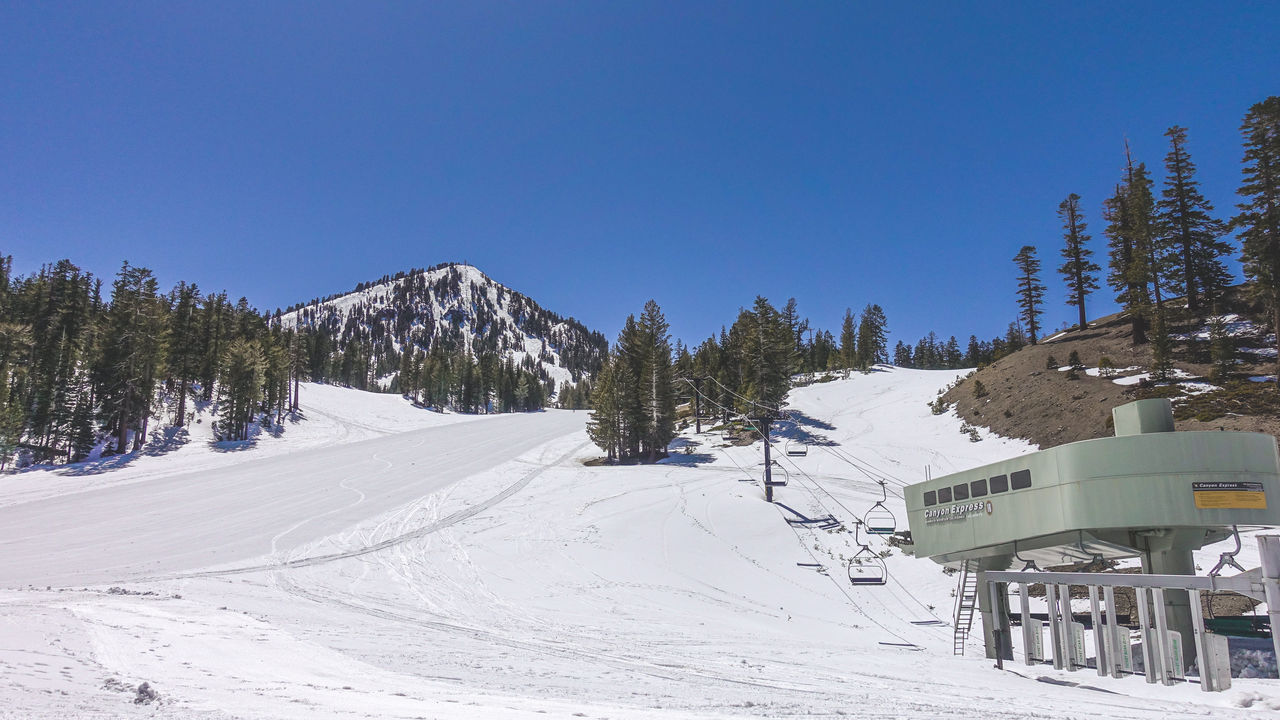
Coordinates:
[1161,648]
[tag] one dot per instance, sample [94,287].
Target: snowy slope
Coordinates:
[457,307]
[516,582]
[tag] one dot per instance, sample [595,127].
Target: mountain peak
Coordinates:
[454,308]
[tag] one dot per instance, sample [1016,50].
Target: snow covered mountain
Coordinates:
[455,308]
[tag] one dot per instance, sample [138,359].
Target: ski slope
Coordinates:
[511,581]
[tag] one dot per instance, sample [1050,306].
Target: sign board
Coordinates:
[1217,666]
[1229,495]
[1126,653]
[1078,657]
[1176,671]
[1034,634]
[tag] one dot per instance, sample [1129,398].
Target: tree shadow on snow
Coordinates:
[162,442]
[800,428]
[683,452]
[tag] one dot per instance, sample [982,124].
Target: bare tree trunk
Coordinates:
[182,403]
[122,433]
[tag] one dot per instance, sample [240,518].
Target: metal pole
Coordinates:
[1100,652]
[1269,549]
[768,475]
[999,625]
[1202,659]
[1026,625]
[1115,655]
[1162,639]
[1055,632]
[1145,625]
[1067,637]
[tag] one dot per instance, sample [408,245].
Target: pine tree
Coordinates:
[1191,237]
[240,387]
[605,425]
[873,337]
[1161,350]
[657,392]
[1259,217]
[902,355]
[185,351]
[134,353]
[1132,254]
[1221,348]
[768,360]
[848,340]
[1030,289]
[1079,271]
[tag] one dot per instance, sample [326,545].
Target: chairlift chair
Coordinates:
[795,448]
[775,482]
[865,567]
[879,520]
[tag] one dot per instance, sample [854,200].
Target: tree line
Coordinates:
[78,371]
[747,369]
[1174,245]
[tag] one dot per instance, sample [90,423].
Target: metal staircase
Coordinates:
[966,601]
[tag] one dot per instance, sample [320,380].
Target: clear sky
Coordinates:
[594,155]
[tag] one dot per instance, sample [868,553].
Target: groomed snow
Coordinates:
[480,570]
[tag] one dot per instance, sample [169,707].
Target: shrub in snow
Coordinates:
[146,695]
[1106,368]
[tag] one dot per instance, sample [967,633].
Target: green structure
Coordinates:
[1148,492]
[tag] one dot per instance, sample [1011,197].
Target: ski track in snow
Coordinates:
[526,584]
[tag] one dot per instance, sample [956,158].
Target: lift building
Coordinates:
[1147,492]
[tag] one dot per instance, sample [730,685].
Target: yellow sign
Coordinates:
[1230,496]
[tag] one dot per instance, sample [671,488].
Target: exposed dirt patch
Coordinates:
[1022,397]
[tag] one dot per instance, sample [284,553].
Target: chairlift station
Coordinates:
[1147,492]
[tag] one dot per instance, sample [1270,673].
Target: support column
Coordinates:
[994,618]
[1269,548]
[1170,554]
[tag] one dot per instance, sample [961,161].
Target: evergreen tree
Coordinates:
[1079,271]
[848,340]
[1259,217]
[605,425]
[1132,256]
[768,360]
[134,353]
[902,355]
[240,387]
[1161,350]
[1030,289]
[1190,235]
[185,351]
[657,390]
[873,337]
[1221,348]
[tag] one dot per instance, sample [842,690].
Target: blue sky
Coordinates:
[594,155]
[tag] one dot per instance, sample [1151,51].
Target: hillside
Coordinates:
[454,308]
[1034,395]
[480,569]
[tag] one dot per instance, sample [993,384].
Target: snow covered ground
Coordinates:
[480,570]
